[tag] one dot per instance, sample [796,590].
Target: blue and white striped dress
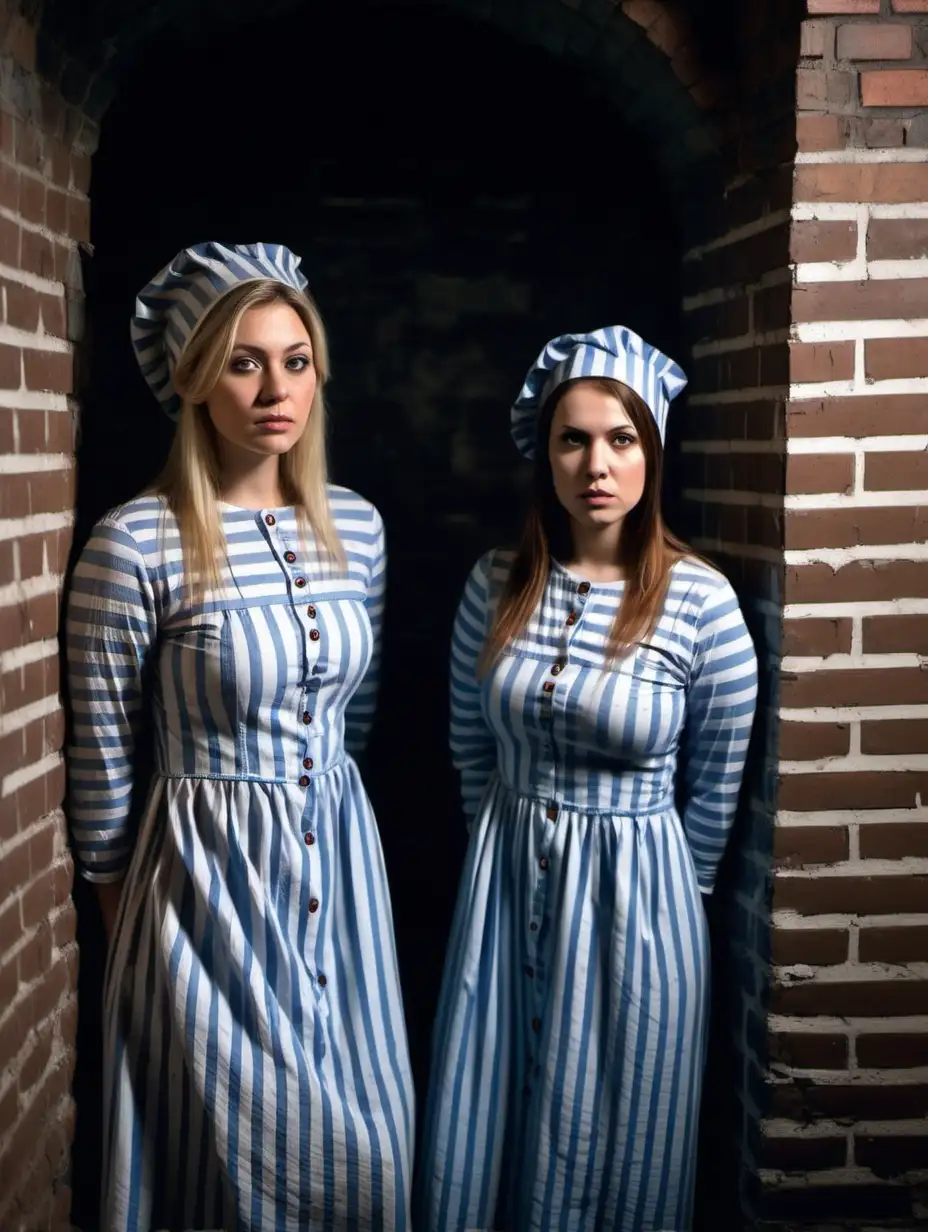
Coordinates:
[257,1076]
[570,1036]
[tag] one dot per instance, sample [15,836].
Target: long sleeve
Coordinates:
[720,712]
[359,713]
[110,630]
[473,746]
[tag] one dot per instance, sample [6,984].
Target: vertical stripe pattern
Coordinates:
[569,1043]
[259,1077]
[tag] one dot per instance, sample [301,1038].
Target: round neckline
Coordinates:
[578,578]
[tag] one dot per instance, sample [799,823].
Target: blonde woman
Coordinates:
[257,1075]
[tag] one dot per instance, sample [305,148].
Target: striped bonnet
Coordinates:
[168,310]
[614,352]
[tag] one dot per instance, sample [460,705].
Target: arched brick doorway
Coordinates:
[645,62]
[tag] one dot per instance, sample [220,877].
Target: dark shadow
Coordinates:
[454,210]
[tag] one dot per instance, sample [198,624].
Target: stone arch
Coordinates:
[645,57]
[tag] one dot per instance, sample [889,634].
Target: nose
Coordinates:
[274,386]
[596,464]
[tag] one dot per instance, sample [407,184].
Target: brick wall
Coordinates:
[43,213]
[847,1134]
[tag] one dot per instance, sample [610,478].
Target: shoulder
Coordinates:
[353,512]
[489,574]
[699,586]
[142,525]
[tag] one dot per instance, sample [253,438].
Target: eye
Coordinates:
[570,437]
[243,363]
[623,439]
[299,363]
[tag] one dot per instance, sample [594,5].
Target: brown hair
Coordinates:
[647,548]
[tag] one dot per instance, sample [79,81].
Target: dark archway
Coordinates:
[458,195]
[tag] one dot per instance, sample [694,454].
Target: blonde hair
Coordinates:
[190,479]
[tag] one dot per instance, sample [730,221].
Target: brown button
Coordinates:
[307,763]
[551,814]
[307,717]
[536,1025]
[270,519]
[321,980]
[304,780]
[557,669]
[549,686]
[314,635]
[583,588]
[289,557]
[309,838]
[311,612]
[533,927]
[313,905]
[530,972]
[572,618]
[301,582]
[543,864]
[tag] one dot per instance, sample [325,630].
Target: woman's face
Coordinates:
[262,401]
[597,459]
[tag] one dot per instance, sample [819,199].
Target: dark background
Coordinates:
[457,198]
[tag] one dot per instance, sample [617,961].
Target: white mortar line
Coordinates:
[33,463]
[19,778]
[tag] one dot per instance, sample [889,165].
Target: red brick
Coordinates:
[49,370]
[802,1154]
[910,6]
[57,211]
[818,947]
[809,1049]
[38,255]
[855,999]
[840,528]
[888,944]
[895,634]
[893,239]
[816,39]
[864,182]
[22,306]
[856,581]
[821,361]
[820,132]
[889,358]
[33,435]
[844,6]
[901,1050]
[80,172]
[79,218]
[864,789]
[863,1101]
[820,636]
[898,87]
[830,472]
[881,133]
[891,472]
[823,241]
[10,367]
[824,87]
[857,41]
[895,841]
[810,741]
[54,315]
[888,737]
[892,414]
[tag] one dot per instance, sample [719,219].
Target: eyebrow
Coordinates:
[259,350]
[622,427]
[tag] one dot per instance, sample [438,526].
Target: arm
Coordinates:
[359,713]
[473,745]
[720,712]
[110,629]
